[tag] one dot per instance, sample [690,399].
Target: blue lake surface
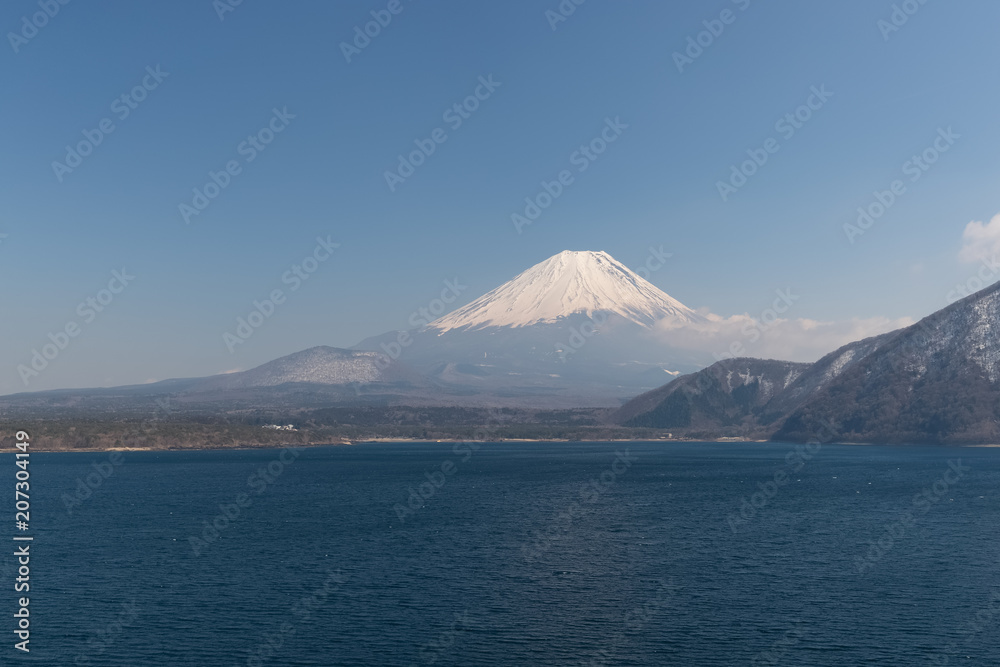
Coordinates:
[520,554]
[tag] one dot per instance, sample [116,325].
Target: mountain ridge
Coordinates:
[936,381]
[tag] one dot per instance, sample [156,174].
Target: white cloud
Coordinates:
[786,339]
[980,240]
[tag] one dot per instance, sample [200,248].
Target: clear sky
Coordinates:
[886,93]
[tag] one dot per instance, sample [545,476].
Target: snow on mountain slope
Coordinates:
[569,283]
[936,381]
[727,393]
[321,365]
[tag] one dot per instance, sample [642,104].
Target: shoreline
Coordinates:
[420,441]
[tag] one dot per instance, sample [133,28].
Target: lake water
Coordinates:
[520,554]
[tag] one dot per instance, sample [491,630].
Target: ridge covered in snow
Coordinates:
[572,282]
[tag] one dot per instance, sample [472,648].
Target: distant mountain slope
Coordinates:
[754,392]
[730,393]
[320,365]
[318,376]
[937,381]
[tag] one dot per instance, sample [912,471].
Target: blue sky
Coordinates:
[323,175]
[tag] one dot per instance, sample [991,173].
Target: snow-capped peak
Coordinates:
[565,284]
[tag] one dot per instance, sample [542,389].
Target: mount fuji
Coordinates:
[574,330]
[570,283]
